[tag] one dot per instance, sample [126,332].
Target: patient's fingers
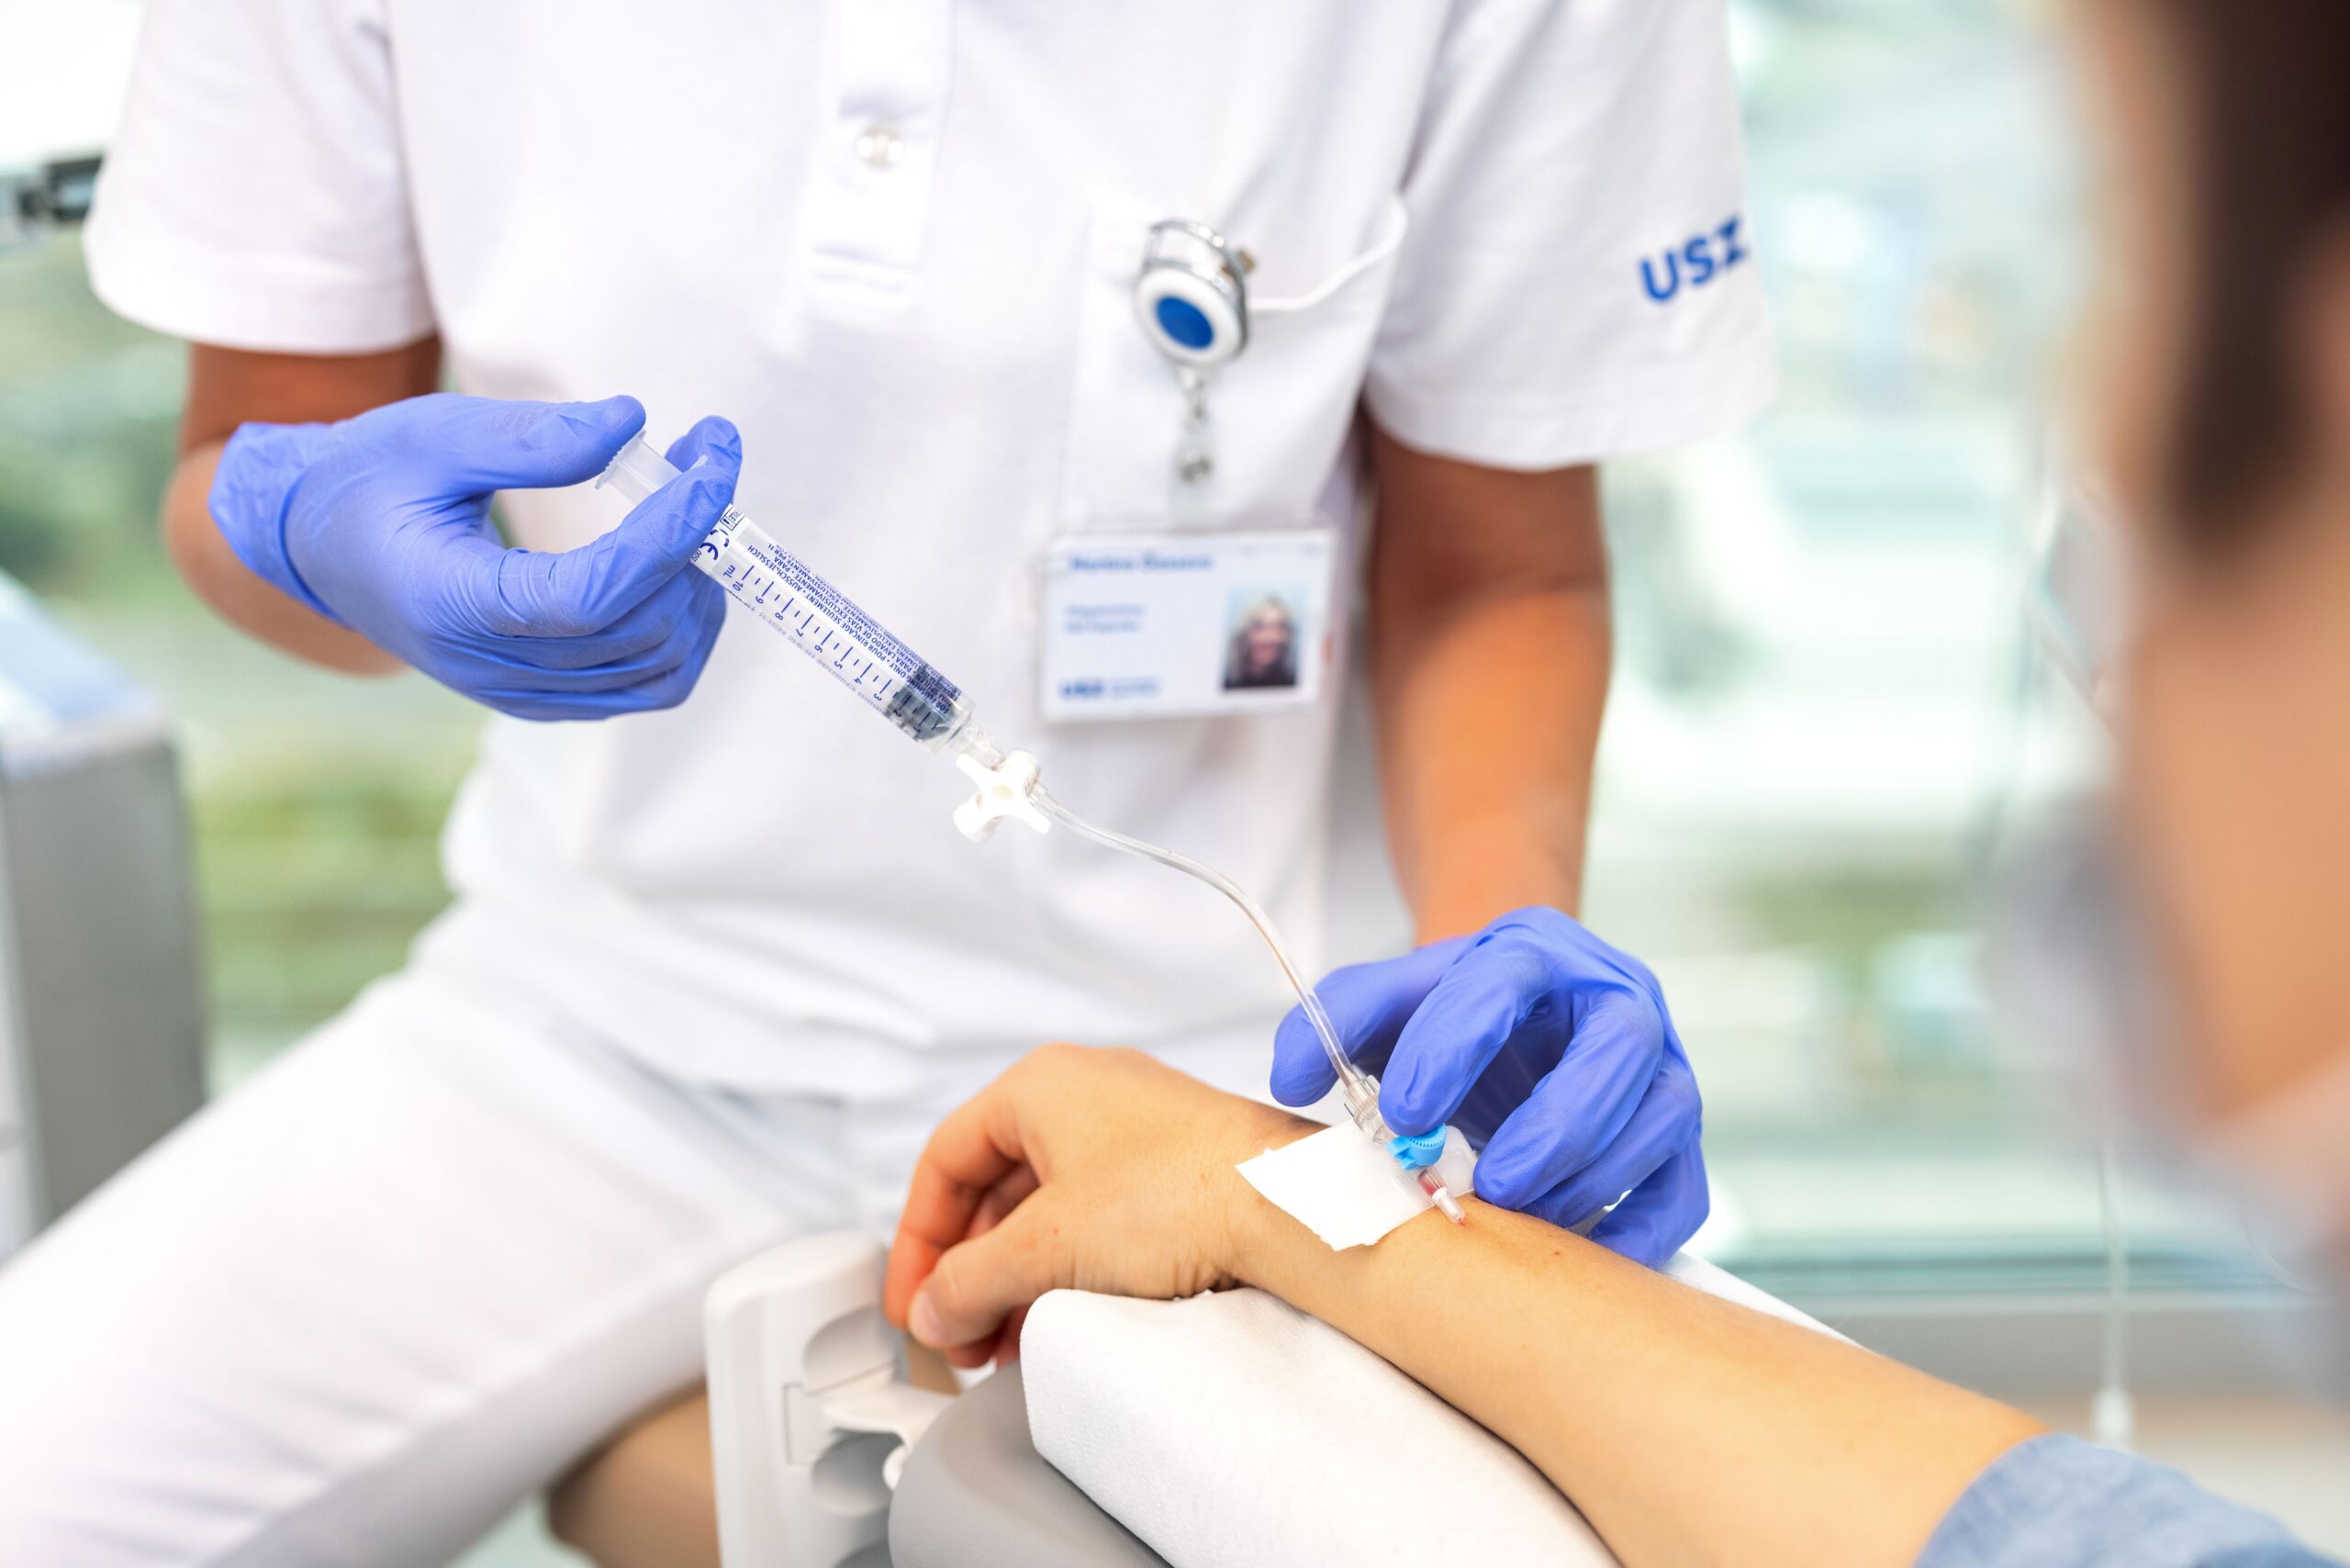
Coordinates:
[999,1202]
[1003,1345]
[1003,1198]
[973,1150]
[1007,1342]
[976,1285]
[973,1356]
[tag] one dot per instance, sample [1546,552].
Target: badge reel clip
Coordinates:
[1191,298]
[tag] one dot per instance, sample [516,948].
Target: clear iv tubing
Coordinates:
[1359,1088]
[826,625]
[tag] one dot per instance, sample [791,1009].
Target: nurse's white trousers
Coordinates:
[358,1309]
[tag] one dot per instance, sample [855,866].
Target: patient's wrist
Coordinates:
[1239,1209]
[1274,1251]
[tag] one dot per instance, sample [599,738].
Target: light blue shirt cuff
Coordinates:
[2057,1502]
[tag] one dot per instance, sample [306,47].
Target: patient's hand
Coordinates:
[1101,1170]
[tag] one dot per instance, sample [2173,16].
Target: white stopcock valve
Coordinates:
[1007,789]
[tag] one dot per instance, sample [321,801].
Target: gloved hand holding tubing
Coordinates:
[1550,1050]
[381,523]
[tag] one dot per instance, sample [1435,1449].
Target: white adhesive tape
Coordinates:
[1346,1189]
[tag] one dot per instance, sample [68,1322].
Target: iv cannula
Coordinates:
[1359,1089]
[780,588]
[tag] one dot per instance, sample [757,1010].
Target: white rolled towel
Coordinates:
[1231,1430]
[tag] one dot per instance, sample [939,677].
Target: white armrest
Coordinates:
[809,1417]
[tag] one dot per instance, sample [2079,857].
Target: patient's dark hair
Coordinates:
[2271,130]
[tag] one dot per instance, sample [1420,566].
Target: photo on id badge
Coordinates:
[1260,650]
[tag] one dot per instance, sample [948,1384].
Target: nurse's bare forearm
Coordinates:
[1685,1428]
[228,387]
[1490,648]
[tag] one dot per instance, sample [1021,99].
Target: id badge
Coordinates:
[1159,625]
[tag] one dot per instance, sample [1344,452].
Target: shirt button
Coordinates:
[880,147]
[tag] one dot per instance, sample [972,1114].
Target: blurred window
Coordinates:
[1830,720]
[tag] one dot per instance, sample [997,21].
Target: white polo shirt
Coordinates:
[895,240]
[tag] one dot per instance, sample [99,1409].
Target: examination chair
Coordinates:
[842,1446]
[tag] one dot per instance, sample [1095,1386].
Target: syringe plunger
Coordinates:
[637,470]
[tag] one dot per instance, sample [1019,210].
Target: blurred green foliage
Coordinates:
[315,879]
[89,406]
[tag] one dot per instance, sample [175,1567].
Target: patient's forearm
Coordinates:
[1685,1428]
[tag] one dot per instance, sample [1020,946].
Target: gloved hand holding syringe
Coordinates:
[777,587]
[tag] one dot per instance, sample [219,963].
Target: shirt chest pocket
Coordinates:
[1278,414]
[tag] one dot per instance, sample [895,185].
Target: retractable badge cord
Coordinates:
[1191,298]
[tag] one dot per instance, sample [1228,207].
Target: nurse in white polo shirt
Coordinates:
[717,960]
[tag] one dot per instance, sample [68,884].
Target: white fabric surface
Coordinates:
[936,370]
[1231,1430]
[358,1310]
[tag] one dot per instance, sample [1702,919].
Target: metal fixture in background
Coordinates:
[102,1011]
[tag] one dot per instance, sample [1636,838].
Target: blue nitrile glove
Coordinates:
[1550,1050]
[382,523]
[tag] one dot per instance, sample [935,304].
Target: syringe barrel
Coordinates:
[777,587]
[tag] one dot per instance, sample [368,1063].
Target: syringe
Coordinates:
[827,625]
[777,586]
